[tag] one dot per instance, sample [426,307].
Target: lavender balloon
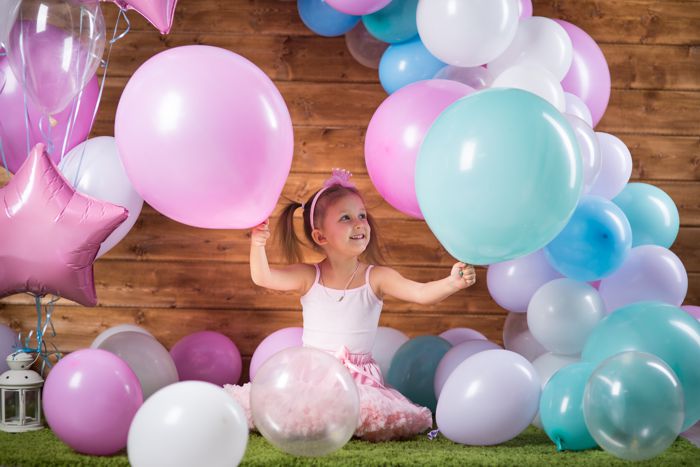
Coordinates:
[207,356]
[279,340]
[651,273]
[513,283]
[488,399]
[8,344]
[456,355]
[90,398]
[615,167]
[458,335]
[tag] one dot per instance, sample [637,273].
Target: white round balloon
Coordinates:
[589,149]
[109,332]
[386,343]
[535,79]
[188,423]
[546,365]
[576,107]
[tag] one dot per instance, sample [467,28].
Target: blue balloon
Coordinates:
[652,214]
[406,63]
[394,23]
[412,369]
[561,408]
[659,329]
[498,175]
[594,243]
[325,20]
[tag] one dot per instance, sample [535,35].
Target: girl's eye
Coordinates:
[363,216]
[345,217]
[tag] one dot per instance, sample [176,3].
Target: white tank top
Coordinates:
[330,324]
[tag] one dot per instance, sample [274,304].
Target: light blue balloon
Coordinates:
[652,214]
[561,408]
[325,20]
[633,405]
[659,329]
[498,175]
[394,23]
[594,243]
[412,369]
[406,63]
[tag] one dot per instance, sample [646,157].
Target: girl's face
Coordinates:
[345,227]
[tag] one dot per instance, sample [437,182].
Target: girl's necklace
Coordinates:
[352,276]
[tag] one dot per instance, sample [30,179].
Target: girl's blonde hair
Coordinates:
[290,243]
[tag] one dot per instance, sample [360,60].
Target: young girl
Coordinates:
[342,298]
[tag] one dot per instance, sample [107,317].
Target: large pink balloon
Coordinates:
[158,12]
[395,134]
[50,233]
[207,356]
[90,398]
[205,137]
[358,7]
[279,340]
[589,75]
[13,134]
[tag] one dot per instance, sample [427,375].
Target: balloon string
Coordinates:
[43,321]
[46,133]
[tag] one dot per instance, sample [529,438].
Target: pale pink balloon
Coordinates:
[358,7]
[395,134]
[525,8]
[205,137]
[158,12]
[279,340]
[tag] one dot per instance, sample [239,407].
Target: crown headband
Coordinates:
[338,177]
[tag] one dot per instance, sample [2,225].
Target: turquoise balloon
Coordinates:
[561,408]
[394,23]
[633,405]
[659,329]
[652,214]
[412,369]
[498,176]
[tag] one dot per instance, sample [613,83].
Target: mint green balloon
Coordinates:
[498,176]
[652,214]
[394,23]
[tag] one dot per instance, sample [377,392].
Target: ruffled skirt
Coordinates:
[385,414]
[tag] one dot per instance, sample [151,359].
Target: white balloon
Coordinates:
[476,77]
[546,365]
[386,343]
[467,33]
[540,41]
[615,169]
[535,79]
[589,149]
[185,424]
[109,332]
[8,15]
[576,107]
[100,174]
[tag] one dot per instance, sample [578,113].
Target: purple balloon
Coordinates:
[513,283]
[207,356]
[692,310]
[589,75]
[525,9]
[8,344]
[457,355]
[456,336]
[13,133]
[279,340]
[650,273]
[90,398]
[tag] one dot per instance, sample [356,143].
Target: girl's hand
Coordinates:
[462,275]
[260,234]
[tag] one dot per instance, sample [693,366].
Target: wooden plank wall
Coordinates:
[174,280]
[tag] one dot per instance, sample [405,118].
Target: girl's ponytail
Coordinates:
[289,243]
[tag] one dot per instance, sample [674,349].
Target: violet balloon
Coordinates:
[90,398]
[455,356]
[50,234]
[456,336]
[525,8]
[213,147]
[692,310]
[589,75]
[14,137]
[395,134]
[207,356]
[279,340]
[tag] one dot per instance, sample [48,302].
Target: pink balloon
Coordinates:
[358,7]
[50,233]
[90,398]
[207,356]
[457,355]
[13,133]
[525,9]
[692,310]
[158,12]
[279,340]
[395,134]
[589,75]
[205,137]
[650,273]
[456,336]
[513,283]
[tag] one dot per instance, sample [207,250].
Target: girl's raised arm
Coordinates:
[388,281]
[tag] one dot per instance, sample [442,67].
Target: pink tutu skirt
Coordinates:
[385,414]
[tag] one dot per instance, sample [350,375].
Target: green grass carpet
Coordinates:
[42,448]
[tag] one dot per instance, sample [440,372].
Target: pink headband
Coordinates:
[338,177]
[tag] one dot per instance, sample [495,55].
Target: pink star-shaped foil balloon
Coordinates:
[158,12]
[50,233]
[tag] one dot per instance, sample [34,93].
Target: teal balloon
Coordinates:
[659,329]
[498,175]
[394,23]
[652,214]
[412,369]
[633,405]
[561,408]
